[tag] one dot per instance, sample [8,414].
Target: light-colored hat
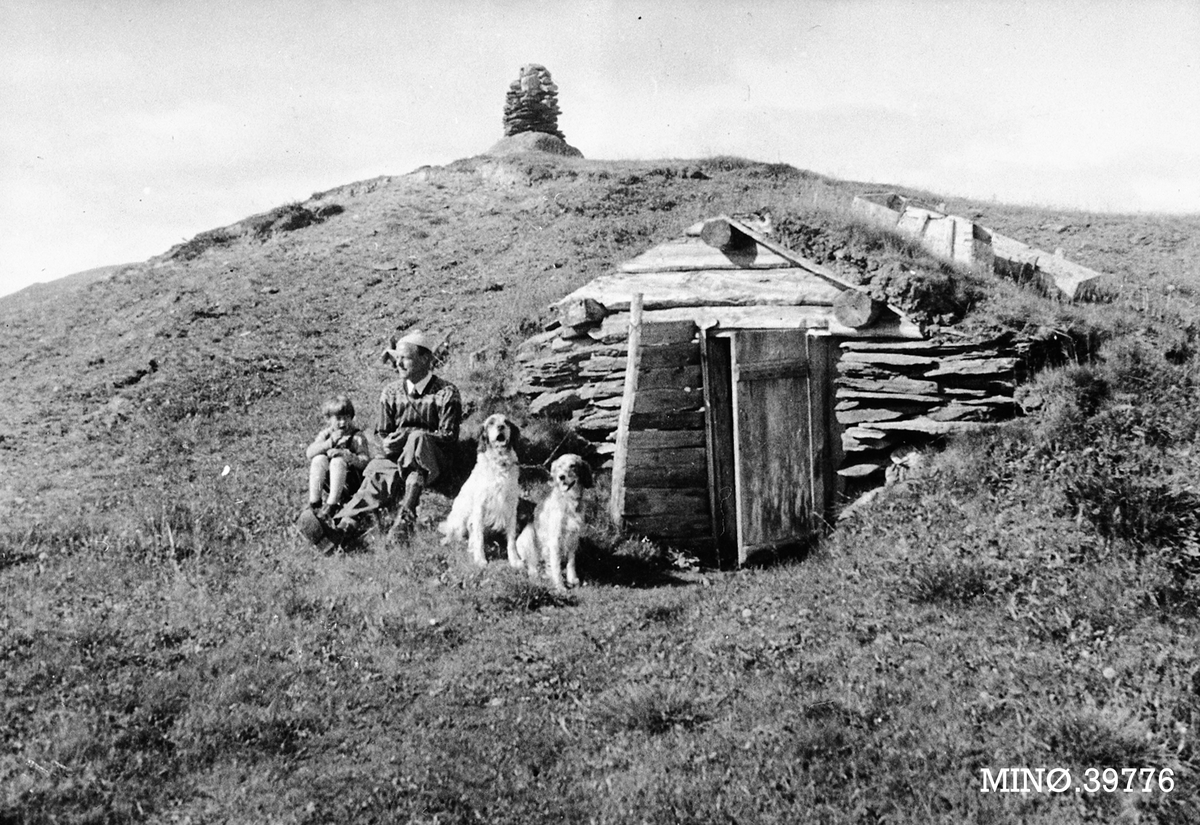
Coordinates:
[416,338]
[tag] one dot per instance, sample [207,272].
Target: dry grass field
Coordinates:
[170,651]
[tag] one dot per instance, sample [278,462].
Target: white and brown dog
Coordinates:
[558,521]
[488,500]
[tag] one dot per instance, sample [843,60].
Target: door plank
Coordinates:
[718,399]
[771,439]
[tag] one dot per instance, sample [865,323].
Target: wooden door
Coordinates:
[772,440]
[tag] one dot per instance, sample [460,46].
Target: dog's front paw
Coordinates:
[514,559]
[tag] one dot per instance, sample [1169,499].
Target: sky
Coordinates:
[131,125]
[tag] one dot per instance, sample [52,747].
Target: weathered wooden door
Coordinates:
[778,489]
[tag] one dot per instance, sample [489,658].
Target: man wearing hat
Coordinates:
[419,418]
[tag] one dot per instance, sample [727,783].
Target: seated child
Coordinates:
[338,454]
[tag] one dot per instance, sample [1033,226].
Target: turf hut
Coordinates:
[705,368]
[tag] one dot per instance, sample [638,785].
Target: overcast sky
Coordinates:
[131,125]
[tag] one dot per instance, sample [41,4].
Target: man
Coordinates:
[419,418]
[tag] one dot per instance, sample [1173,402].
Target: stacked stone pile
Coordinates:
[897,393]
[894,395]
[577,374]
[531,104]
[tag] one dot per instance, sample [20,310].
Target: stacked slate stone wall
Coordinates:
[577,374]
[892,395]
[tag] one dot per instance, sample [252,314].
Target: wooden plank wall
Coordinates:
[824,430]
[663,449]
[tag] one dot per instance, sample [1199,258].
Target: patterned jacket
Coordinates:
[437,410]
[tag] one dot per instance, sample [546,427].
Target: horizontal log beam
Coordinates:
[667,421]
[649,475]
[696,457]
[669,525]
[665,439]
[670,377]
[856,309]
[649,501]
[668,332]
[667,401]
[670,355]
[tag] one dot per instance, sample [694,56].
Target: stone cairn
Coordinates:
[531,104]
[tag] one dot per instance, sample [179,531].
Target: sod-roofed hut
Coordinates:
[712,371]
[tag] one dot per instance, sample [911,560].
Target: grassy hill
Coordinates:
[171,650]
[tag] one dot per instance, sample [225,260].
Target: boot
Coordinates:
[406,518]
[414,485]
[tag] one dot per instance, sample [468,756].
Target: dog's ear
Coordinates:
[514,440]
[482,439]
[584,471]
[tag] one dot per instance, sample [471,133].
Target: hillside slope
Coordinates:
[171,651]
[218,351]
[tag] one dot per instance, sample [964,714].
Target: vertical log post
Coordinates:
[633,360]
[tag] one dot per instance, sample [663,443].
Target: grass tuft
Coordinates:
[949,580]
[1102,738]
[520,595]
[652,709]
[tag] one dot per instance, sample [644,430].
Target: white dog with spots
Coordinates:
[488,500]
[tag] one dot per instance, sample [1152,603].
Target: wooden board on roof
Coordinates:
[615,327]
[712,288]
[685,254]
